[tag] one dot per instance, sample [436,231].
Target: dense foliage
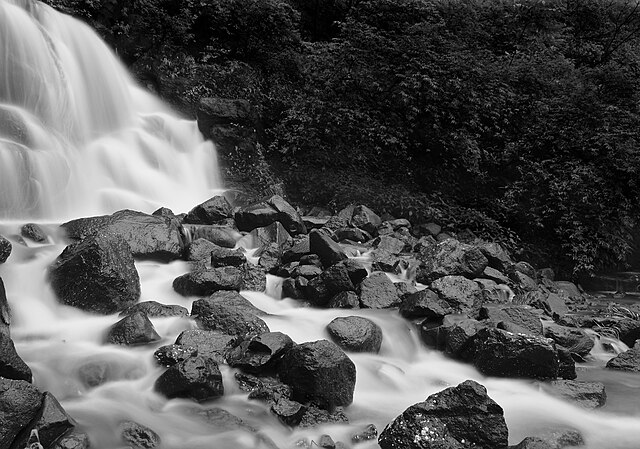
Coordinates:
[495,115]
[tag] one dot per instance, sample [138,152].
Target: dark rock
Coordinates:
[555,305]
[209,212]
[138,436]
[298,250]
[254,278]
[51,422]
[316,416]
[220,235]
[494,275]
[264,388]
[497,256]
[568,289]
[205,281]
[405,289]
[134,329]
[96,274]
[269,257]
[558,439]
[225,257]
[626,361]
[328,250]
[526,283]
[311,259]
[5,249]
[370,432]
[196,378]
[336,279]
[287,215]
[320,372]
[229,313]
[316,292]
[463,295]
[575,340]
[290,290]
[19,405]
[74,439]
[521,316]
[11,365]
[314,222]
[308,271]
[33,232]
[384,261]
[156,309]
[628,331]
[378,292]
[366,219]
[456,418]
[357,334]
[326,442]
[169,355]
[424,304]
[222,111]
[255,215]
[452,258]
[209,344]
[352,235]
[454,335]
[260,353]
[432,229]
[274,233]
[389,244]
[345,300]
[163,212]
[566,364]
[357,271]
[200,250]
[504,354]
[288,412]
[586,394]
[5,312]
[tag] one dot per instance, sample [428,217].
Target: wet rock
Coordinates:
[463,295]
[455,418]
[254,278]
[290,289]
[134,329]
[308,271]
[269,257]
[320,372]
[255,215]
[225,257]
[628,330]
[74,439]
[200,250]
[5,249]
[95,373]
[425,304]
[315,416]
[33,232]
[357,271]
[521,316]
[454,335]
[260,354]
[345,300]
[275,233]
[365,219]
[504,354]
[626,361]
[19,405]
[326,442]
[357,334]
[552,440]
[263,388]
[299,249]
[138,436]
[378,292]
[494,275]
[568,289]
[525,282]
[229,313]
[51,422]
[336,279]
[405,289]
[11,365]
[497,256]
[586,394]
[210,212]
[389,244]
[287,215]
[574,339]
[196,378]
[328,250]
[370,432]
[156,309]
[452,258]
[5,312]
[205,281]
[288,412]
[96,274]
[384,261]
[207,343]
[311,259]
[169,355]
[220,235]
[352,235]
[554,305]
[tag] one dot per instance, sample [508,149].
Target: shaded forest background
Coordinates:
[516,120]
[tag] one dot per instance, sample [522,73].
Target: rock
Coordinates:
[169,355]
[554,305]
[138,436]
[225,257]
[11,365]
[504,354]
[568,289]
[586,394]
[497,256]
[134,329]
[199,250]
[566,364]
[315,416]
[290,290]
[209,344]
[205,281]
[365,219]
[552,440]
[575,340]
[287,215]
[370,432]
[5,312]
[229,313]
[628,331]
[357,334]
[453,335]
[149,236]
[525,282]
[74,439]
[260,354]
[521,316]
[255,215]
[432,229]
[210,212]
[19,405]
[452,258]
[5,249]
[336,279]
[196,378]
[357,271]
[344,300]
[288,412]
[384,261]
[269,257]
[378,292]
[94,373]
[316,292]
[425,304]
[220,235]
[626,361]
[156,309]
[463,295]
[389,244]
[254,278]
[455,418]
[298,250]
[33,232]
[328,250]
[274,233]
[320,372]
[308,271]
[494,275]
[314,222]
[263,388]
[326,442]
[51,422]
[352,235]
[222,111]
[96,274]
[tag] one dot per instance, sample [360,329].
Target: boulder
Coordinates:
[497,256]
[195,378]
[628,331]
[299,249]
[319,372]
[97,274]
[5,249]
[557,439]
[138,436]
[289,412]
[156,309]
[452,258]
[287,215]
[33,232]
[336,279]
[357,271]
[357,334]
[209,344]
[51,422]
[74,439]
[504,354]
[134,329]
[210,212]
[425,304]
[205,281]
[199,250]
[220,235]
[229,313]
[169,355]
[352,235]
[254,278]
[626,361]
[568,289]
[260,353]
[19,405]
[269,257]
[574,339]
[225,257]
[345,300]
[456,418]
[588,395]
[274,233]
[267,212]
[566,364]
[365,219]
[522,316]
[526,283]
[463,295]
[378,292]
[554,305]
[328,250]
[389,244]
[5,312]
[494,275]
[11,365]
[454,335]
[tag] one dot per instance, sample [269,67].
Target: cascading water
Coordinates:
[78,137]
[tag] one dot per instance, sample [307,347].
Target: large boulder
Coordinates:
[574,339]
[626,361]
[209,212]
[220,235]
[319,372]
[209,344]
[149,236]
[196,378]
[454,335]
[5,249]
[11,365]
[51,422]
[97,274]
[225,257]
[463,295]
[521,316]
[365,219]
[229,313]
[425,304]
[459,417]
[497,256]
[205,281]
[267,212]
[259,354]
[452,258]
[378,292]
[357,334]
[266,235]
[328,250]
[19,404]
[134,329]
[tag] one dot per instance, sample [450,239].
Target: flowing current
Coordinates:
[78,137]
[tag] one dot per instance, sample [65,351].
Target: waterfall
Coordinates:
[77,135]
